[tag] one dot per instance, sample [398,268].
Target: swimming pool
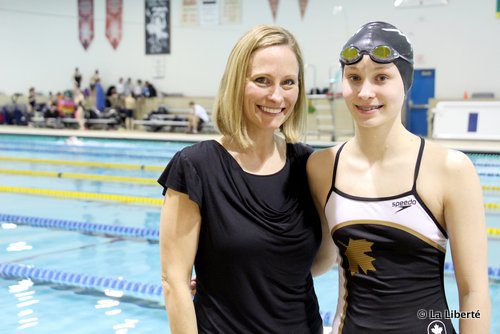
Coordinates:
[89,263]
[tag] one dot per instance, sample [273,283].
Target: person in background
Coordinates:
[80,109]
[100,97]
[149,90]
[31,100]
[239,208]
[128,87]
[197,118]
[128,111]
[120,87]
[390,201]
[77,78]
[138,89]
[94,78]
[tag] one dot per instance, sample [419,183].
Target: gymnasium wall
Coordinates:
[39,43]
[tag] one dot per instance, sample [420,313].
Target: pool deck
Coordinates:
[483,146]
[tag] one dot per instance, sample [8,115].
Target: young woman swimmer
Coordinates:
[390,201]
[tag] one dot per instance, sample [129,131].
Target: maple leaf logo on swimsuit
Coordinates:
[356,255]
[437,329]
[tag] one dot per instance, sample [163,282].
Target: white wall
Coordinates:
[39,43]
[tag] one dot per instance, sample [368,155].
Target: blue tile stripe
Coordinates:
[84,227]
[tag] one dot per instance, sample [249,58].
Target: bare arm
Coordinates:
[180,224]
[464,217]
[319,174]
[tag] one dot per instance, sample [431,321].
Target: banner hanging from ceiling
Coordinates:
[303,6]
[157,27]
[274,7]
[85,22]
[114,10]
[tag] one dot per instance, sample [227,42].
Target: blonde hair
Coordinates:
[228,108]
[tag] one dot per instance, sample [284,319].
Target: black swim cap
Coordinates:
[374,34]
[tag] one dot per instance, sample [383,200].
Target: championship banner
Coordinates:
[86,22]
[157,27]
[303,5]
[274,7]
[114,10]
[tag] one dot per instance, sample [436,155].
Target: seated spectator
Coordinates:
[66,106]
[149,90]
[198,117]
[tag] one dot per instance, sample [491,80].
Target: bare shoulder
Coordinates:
[320,171]
[448,171]
[449,161]
[321,159]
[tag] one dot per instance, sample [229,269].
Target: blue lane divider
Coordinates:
[78,280]
[489,174]
[99,147]
[129,288]
[84,227]
[89,153]
[493,273]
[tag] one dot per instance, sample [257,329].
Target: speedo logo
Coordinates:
[403,204]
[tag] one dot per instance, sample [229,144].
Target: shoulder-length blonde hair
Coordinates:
[228,108]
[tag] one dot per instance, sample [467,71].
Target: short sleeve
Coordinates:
[181,175]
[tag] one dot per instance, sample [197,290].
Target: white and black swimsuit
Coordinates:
[391,253]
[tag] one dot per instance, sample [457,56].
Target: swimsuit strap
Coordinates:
[337,157]
[419,160]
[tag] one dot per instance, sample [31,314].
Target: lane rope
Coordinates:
[80,176]
[147,291]
[115,230]
[76,151]
[79,280]
[83,227]
[84,163]
[82,195]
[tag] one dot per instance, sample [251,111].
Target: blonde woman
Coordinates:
[239,208]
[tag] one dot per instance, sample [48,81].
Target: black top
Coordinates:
[258,238]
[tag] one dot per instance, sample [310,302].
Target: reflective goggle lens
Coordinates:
[381,54]
[350,54]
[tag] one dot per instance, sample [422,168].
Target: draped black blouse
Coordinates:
[258,238]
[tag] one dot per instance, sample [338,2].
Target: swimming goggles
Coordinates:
[380,54]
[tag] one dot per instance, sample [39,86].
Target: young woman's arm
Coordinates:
[464,217]
[319,174]
[179,233]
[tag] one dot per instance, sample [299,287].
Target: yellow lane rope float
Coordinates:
[82,195]
[491,188]
[493,231]
[80,176]
[117,198]
[84,163]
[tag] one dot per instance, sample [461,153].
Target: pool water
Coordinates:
[61,306]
